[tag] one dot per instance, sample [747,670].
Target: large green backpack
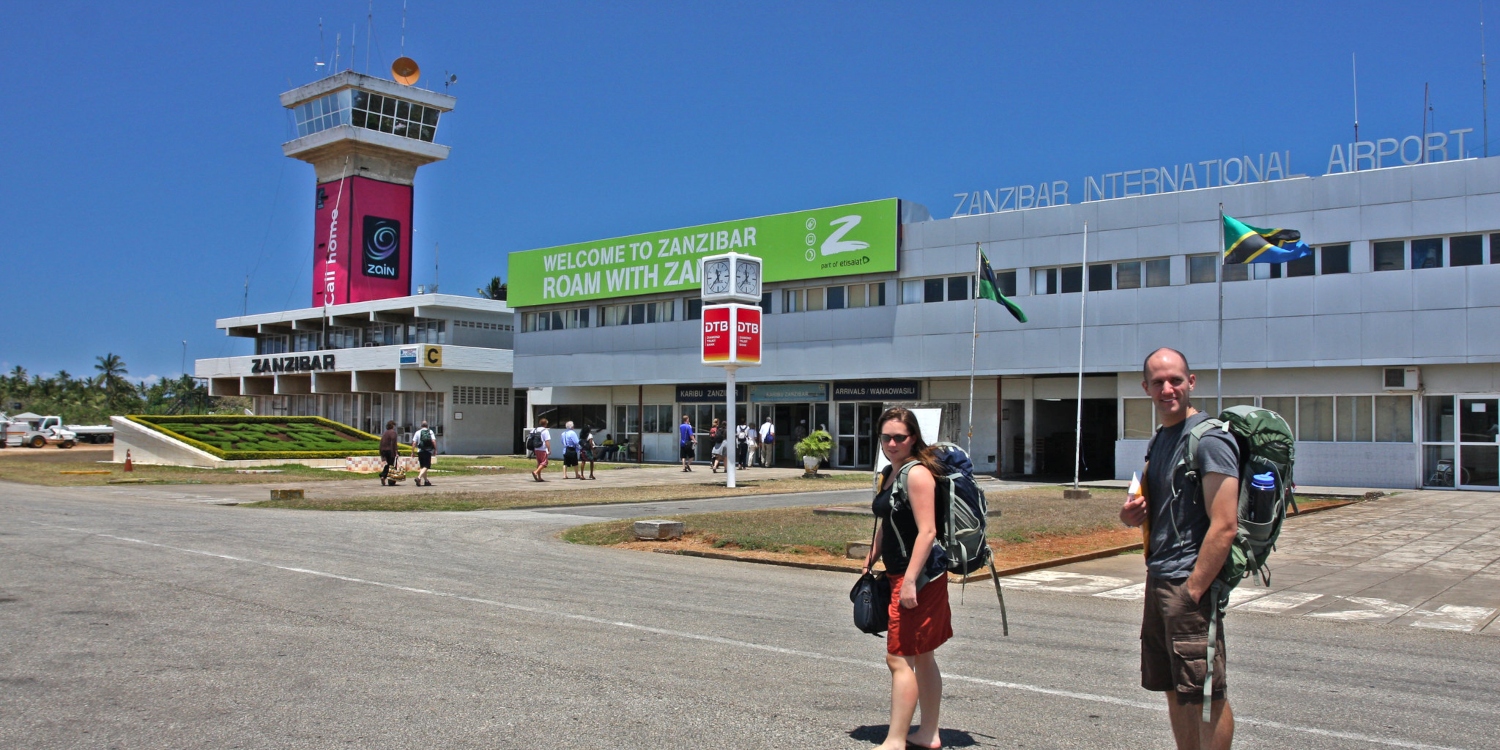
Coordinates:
[1266,445]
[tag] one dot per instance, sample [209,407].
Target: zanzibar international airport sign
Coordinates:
[1235,170]
[825,242]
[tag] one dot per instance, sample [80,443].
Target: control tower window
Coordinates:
[395,116]
[322,113]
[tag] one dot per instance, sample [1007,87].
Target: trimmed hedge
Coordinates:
[237,438]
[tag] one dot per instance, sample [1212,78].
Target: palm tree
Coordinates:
[493,290]
[112,369]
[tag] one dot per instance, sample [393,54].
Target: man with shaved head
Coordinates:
[1192,521]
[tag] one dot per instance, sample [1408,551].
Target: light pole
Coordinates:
[184,356]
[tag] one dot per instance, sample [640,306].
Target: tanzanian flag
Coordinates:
[1246,244]
[989,288]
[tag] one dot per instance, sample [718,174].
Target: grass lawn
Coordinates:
[565,494]
[1036,525]
[42,466]
[1027,516]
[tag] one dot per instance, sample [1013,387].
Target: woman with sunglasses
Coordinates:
[920,618]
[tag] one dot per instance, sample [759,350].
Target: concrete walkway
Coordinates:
[1427,559]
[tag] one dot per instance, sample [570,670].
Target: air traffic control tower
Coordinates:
[365,137]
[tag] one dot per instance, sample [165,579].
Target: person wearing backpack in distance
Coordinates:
[767,443]
[1192,526]
[424,442]
[571,446]
[540,443]
[920,620]
[389,452]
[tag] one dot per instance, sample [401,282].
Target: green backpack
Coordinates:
[1266,447]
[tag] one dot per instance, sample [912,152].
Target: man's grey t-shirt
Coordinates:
[1178,529]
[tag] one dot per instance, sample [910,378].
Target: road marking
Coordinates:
[1452,617]
[1064,582]
[1241,594]
[1279,602]
[1132,593]
[1371,608]
[1021,687]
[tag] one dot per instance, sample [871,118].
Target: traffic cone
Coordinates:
[129,465]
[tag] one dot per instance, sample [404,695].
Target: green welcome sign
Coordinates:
[825,242]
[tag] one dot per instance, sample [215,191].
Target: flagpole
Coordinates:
[1083,303]
[974,347]
[1219,375]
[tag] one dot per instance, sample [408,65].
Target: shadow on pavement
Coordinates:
[875,733]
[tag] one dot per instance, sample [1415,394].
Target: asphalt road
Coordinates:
[131,622]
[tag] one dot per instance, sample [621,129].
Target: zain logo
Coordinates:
[836,243]
[382,247]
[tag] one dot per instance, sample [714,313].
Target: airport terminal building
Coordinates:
[1381,349]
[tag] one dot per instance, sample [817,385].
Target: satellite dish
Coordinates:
[405,70]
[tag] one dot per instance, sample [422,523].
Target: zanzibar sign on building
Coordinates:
[838,241]
[1235,170]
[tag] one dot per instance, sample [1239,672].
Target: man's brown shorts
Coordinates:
[1174,642]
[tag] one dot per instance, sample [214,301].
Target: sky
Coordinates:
[142,180]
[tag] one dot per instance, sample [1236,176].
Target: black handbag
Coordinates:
[872,603]
[871,596]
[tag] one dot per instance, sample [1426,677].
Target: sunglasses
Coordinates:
[898,439]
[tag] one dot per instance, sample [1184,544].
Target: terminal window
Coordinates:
[1304,266]
[1101,279]
[1427,253]
[1203,269]
[1158,272]
[1467,250]
[1390,255]
[958,287]
[932,290]
[1494,243]
[1046,281]
[1335,258]
[1128,275]
[911,291]
[1070,279]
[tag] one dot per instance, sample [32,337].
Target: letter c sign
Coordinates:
[432,356]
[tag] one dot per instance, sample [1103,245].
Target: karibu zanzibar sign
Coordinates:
[838,241]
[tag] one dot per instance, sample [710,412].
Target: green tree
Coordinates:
[494,290]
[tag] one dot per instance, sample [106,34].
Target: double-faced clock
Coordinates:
[731,277]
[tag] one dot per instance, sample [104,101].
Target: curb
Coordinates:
[782,563]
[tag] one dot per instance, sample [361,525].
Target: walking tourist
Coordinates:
[920,620]
[750,446]
[741,435]
[424,442]
[1190,526]
[587,451]
[685,438]
[570,445]
[541,444]
[767,443]
[716,452]
[389,445]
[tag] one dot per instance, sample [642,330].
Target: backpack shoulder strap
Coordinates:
[1195,435]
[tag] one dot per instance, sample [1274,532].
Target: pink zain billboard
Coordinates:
[362,241]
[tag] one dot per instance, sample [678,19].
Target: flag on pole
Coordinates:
[989,288]
[1246,244]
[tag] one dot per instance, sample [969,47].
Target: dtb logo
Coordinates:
[382,255]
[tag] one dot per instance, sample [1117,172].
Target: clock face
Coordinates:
[747,278]
[716,277]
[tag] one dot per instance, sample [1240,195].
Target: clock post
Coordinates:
[731,328]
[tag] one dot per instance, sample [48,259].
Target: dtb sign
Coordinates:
[731,335]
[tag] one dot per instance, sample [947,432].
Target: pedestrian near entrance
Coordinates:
[685,438]
[424,443]
[799,432]
[767,443]
[1190,523]
[570,445]
[741,456]
[587,451]
[751,444]
[389,444]
[920,620]
[716,453]
[543,443]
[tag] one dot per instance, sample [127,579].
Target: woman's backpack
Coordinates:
[534,441]
[962,516]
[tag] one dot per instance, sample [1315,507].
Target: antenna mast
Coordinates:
[436,256]
[1484,83]
[369,28]
[1354,68]
[403,28]
[1425,88]
[338,42]
[319,62]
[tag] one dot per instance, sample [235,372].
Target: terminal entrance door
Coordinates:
[854,447]
[1478,451]
[1054,435]
[787,418]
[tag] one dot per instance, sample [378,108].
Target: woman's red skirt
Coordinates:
[923,628]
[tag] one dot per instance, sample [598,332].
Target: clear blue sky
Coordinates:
[142,177]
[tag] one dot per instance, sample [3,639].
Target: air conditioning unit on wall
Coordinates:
[1401,378]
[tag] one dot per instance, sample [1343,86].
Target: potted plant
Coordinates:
[814,450]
